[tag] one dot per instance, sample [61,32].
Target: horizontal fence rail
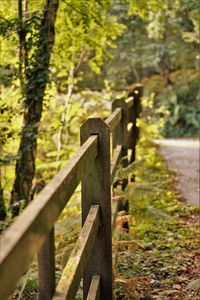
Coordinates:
[94,290]
[117,155]
[33,231]
[129,101]
[113,120]
[73,272]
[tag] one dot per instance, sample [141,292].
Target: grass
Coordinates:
[164,262]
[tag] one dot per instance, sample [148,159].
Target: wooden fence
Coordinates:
[33,231]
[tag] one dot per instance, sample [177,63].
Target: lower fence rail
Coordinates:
[94,290]
[73,272]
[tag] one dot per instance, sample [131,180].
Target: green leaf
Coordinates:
[194,284]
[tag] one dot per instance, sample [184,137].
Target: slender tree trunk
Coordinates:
[135,72]
[2,204]
[25,9]
[21,42]
[23,51]
[26,62]
[35,89]
[64,116]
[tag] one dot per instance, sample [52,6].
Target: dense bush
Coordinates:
[177,102]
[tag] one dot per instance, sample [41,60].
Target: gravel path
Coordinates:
[183,156]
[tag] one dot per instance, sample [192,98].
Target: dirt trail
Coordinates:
[183,156]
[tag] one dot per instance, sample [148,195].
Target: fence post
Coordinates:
[134,114]
[120,134]
[46,268]
[96,190]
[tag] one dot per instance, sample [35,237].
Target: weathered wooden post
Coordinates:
[134,114]
[46,268]
[120,134]
[96,190]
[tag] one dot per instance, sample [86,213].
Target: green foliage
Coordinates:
[128,41]
[84,104]
[184,113]
[154,31]
[194,284]
[27,285]
[87,31]
[177,103]
[191,4]
[145,7]
[10,125]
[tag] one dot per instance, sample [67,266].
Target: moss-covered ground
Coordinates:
[160,257]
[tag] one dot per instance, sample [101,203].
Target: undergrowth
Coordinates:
[176,101]
[163,261]
[158,258]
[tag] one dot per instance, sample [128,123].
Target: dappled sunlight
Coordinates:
[92,93]
[179,143]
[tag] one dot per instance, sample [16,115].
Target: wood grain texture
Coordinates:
[129,101]
[117,155]
[46,268]
[25,236]
[129,137]
[72,273]
[96,190]
[113,120]
[115,208]
[94,290]
[134,114]
[120,133]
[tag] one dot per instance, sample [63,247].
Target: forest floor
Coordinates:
[159,258]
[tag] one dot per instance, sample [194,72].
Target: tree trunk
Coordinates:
[2,204]
[21,43]
[37,79]
[64,116]
[135,73]
[23,51]
[26,62]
